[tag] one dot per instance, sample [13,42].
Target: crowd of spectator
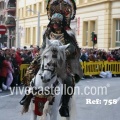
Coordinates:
[10,61]
[99,55]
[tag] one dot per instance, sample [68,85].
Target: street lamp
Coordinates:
[17,31]
[38,25]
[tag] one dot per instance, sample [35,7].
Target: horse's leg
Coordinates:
[54,112]
[72,109]
[45,111]
[33,116]
[56,103]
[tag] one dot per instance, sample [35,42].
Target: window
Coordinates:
[40,7]
[45,5]
[18,12]
[35,7]
[86,33]
[27,12]
[93,26]
[34,36]
[27,38]
[22,15]
[117,33]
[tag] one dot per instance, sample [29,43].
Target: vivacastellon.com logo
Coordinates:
[58,90]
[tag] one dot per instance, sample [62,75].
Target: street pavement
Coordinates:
[106,107]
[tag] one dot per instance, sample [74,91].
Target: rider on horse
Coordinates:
[59,28]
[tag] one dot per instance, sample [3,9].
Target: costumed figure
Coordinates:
[60,13]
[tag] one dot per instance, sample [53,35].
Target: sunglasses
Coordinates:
[56,22]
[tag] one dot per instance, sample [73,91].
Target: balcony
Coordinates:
[1,6]
[11,6]
[1,19]
[10,22]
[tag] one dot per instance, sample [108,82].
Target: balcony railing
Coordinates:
[10,22]
[11,5]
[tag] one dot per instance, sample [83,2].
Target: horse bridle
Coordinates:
[53,73]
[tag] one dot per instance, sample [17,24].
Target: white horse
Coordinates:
[50,76]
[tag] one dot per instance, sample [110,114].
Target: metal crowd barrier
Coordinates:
[113,66]
[23,69]
[89,68]
[93,68]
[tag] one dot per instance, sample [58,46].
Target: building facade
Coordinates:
[99,16]
[7,18]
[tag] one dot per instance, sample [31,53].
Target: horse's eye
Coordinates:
[45,56]
[48,64]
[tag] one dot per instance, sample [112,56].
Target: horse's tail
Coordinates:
[72,109]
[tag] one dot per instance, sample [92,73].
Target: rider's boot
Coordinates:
[25,99]
[64,110]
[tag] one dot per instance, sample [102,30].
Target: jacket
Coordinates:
[4,69]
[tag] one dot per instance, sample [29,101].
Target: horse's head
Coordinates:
[53,59]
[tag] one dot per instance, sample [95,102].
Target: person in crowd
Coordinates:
[30,58]
[10,72]
[25,56]
[31,46]
[16,70]
[83,56]
[91,57]
[18,57]
[2,78]
[1,52]
[6,52]
[4,66]
[104,56]
[35,51]
[117,57]
[19,61]
[110,58]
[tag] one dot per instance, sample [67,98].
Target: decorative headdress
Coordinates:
[64,7]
